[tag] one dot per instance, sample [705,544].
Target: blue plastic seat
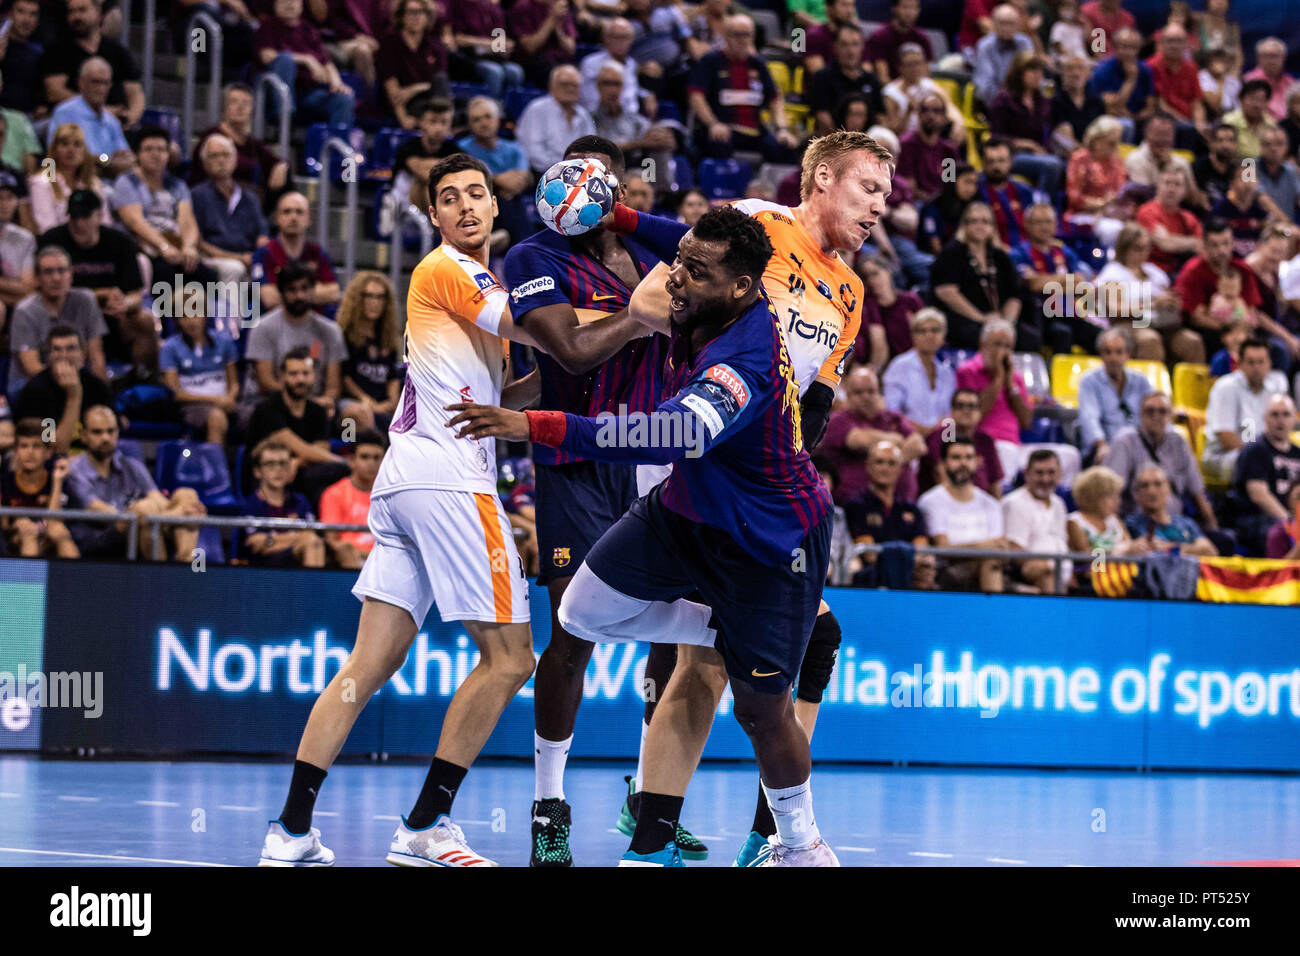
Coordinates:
[464,92]
[517,97]
[317,134]
[383,151]
[201,466]
[171,122]
[724,178]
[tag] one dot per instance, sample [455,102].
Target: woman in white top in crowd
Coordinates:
[1130,287]
[73,168]
[1096,525]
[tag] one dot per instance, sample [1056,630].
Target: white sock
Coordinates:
[792,810]
[549,758]
[640,759]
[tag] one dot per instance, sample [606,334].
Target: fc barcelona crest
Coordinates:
[560,557]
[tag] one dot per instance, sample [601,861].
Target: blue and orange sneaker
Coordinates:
[752,851]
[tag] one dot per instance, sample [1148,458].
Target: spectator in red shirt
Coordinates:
[412,58]
[1178,88]
[855,429]
[976,21]
[821,39]
[347,501]
[1199,278]
[924,151]
[1175,232]
[1109,17]
[963,423]
[291,48]
[546,36]
[351,29]
[883,45]
[480,49]
[293,219]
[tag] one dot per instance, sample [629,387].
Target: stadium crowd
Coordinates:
[1072,193]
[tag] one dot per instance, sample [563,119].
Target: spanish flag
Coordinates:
[1239,580]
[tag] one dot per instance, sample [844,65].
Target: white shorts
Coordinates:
[455,548]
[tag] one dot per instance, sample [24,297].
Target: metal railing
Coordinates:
[150,41]
[285,98]
[155,525]
[214,51]
[102,517]
[335,144]
[1057,558]
[397,246]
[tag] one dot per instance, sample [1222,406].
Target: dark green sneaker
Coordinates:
[688,844]
[550,834]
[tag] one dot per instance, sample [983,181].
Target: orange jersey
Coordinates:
[453,310]
[817,297]
[345,503]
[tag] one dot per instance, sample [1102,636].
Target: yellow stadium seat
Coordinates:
[1066,371]
[951,89]
[781,76]
[1185,154]
[1192,383]
[797,83]
[1154,372]
[799,116]
[1125,149]
[1187,435]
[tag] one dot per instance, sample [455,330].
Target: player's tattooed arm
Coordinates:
[650,300]
[578,347]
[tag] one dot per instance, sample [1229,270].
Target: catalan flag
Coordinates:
[1113,578]
[1248,581]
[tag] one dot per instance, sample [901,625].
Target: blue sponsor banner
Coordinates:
[231,660]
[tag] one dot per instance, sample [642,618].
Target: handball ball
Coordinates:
[574,195]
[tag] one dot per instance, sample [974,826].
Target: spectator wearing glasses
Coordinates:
[918,385]
[1109,396]
[273,467]
[963,423]
[371,376]
[54,303]
[256,165]
[728,90]
[974,280]
[1153,522]
[1154,441]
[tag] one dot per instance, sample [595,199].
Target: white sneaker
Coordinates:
[778,854]
[442,844]
[282,848]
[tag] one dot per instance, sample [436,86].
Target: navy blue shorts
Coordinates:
[764,615]
[576,504]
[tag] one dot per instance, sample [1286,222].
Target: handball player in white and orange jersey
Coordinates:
[441,536]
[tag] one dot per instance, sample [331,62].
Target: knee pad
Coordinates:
[819,658]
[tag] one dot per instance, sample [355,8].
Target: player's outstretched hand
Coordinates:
[488,421]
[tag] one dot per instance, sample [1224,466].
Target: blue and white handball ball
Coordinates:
[574,195]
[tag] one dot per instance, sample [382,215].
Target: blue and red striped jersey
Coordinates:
[548,269]
[731,430]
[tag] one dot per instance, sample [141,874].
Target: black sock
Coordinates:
[439,791]
[763,822]
[303,788]
[656,823]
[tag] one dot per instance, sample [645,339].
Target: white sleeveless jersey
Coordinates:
[453,353]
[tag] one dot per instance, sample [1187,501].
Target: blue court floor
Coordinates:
[63,813]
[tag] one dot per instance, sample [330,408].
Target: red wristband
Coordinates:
[547,428]
[625,220]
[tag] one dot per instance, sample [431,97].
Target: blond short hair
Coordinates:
[834,149]
[1093,484]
